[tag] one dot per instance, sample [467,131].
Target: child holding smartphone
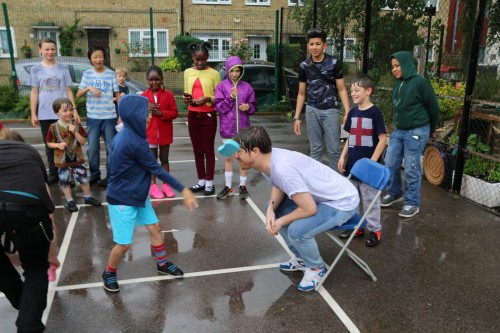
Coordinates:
[160,131]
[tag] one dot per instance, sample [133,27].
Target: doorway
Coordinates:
[100,37]
[259,47]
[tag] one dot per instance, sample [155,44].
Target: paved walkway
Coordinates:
[437,272]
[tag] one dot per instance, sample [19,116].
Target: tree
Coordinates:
[394,25]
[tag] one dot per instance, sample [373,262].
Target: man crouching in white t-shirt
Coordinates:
[307,199]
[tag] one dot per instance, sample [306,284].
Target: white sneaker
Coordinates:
[311,279]
[294,264]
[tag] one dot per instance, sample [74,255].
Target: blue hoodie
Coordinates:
[131,160]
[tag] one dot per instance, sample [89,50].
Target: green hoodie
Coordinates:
[414,102]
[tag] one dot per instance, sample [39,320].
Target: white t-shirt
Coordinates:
[293,172]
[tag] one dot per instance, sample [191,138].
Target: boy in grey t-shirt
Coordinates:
[49,81]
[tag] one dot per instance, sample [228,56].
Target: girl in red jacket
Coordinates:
[160,130]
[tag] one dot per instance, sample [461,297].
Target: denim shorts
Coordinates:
[124,219]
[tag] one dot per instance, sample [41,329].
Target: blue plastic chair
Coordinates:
[375,175]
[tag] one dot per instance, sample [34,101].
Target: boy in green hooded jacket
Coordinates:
[415,117]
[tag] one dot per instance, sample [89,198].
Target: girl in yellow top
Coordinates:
[199,90]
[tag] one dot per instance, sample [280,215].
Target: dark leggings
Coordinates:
[164,152]
[202,128]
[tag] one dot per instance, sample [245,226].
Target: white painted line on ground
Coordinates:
[344,318]
[173,230]
[168,277]
[323,292]
[61,256]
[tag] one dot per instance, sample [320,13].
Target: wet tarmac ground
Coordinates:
[437,272]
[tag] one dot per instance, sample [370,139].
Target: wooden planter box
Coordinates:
[480,191]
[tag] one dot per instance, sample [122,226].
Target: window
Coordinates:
[256,51]
[349,43]
[295,2]
[209,2]
[4,43]
[482,54]
[220,45]
[143,37]
[258,2]
[54,35]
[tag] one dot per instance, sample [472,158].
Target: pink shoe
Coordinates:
[52,272]
[168,191]
[155,192]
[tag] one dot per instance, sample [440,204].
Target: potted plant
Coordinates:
[118,50]
[26,50]
[481,179]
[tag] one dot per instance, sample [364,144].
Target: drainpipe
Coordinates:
[182,17]
[455,24]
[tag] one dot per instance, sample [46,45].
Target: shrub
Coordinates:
[450,99]
[170,64]
[8,98]
[23,107]
[293,55]
[181,51]
[241,48]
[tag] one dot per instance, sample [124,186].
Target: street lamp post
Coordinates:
[430,10]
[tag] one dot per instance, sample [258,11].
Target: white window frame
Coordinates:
[331,48]
[258,2]
[144,34]
[224,40]
[293,3]
[426,4]
[5,53]
[212,2]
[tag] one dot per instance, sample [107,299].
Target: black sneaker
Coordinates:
[209,190]
[72,206]
[103,182]
[93,180]
[52,179]
[373,239]
[92,201]
[197,188]
[347,233]
[244,192]
[110,282]
[170,269]
[226,192]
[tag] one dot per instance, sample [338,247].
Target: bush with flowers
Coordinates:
[136,55]
[241,48]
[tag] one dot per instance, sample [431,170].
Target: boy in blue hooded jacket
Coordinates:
[131,166]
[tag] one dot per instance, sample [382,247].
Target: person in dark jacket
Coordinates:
[416,113]
[26,219]
[235,101]
[131,167]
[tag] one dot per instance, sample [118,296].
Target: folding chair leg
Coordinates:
[357,260]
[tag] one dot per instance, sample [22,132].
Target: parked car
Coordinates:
[76,66]
[261,76]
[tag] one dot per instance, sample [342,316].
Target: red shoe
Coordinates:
[373,239]
[346,234]
[168,191]
[155,192]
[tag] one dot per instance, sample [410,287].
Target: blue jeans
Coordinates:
[96,128]
[324,125]
[408,145]
[299,235]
